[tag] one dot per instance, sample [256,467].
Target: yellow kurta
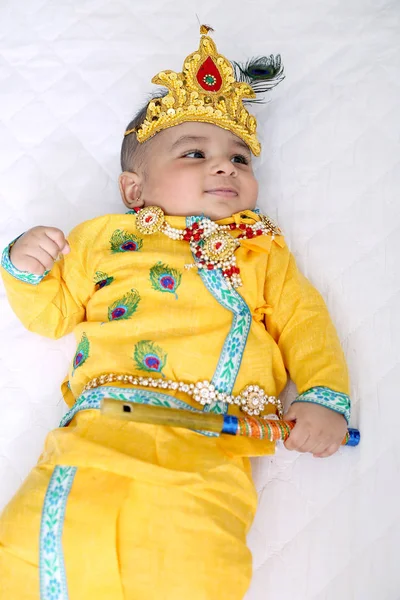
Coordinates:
[181,503]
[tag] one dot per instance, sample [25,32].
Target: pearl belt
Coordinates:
[251,400]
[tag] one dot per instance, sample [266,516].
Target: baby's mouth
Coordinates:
[228,192]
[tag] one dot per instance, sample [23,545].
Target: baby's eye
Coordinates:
[241,159]
[199,154]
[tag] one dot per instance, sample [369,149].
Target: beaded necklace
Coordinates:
[210,243]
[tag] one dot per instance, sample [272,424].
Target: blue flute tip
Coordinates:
[230,424]
[354,437]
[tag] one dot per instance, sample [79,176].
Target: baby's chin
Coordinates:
[222,210]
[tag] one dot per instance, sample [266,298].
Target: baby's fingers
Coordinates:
[42,257]
[327,452]
[297,439]
[50,247]
[58,238]
[31,265]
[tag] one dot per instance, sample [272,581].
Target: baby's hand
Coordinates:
[318,429]
[37,249]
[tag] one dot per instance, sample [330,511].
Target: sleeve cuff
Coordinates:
[328,398]
[23,276]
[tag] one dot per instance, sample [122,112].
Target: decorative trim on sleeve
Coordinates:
[324,396]
[24,276]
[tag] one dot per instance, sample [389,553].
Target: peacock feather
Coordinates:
[82,353]
[261,73]
[101,279]
[165,279]
[149,357]
[124,307]
[123,241]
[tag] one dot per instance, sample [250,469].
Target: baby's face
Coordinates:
[198,168]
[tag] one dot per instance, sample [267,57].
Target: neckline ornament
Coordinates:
[212,245]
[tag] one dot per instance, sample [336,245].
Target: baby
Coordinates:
[117,509]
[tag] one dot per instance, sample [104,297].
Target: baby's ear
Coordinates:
[130,188]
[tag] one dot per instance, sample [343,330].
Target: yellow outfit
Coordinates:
[153,512]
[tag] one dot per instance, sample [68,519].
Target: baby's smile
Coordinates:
[221,191]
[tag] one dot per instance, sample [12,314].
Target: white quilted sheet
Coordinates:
[72,73]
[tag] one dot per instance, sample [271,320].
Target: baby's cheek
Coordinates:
[253,189]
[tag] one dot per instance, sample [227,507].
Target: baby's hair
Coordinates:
[131,151]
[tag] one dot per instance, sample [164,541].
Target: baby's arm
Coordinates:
[301,326]
[48,295]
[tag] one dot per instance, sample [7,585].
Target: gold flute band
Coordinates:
[251,400]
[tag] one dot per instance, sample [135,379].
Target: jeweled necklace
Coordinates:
[210,243]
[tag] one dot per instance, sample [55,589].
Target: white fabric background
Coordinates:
[72,73]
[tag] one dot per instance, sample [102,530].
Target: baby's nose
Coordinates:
[224,167]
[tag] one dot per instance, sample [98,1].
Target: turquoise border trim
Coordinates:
[91,399]
[23,276]
[231,356]
[53,583]
[328,398]
[232,352]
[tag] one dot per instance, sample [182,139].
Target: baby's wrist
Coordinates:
[14,255]
[324,396]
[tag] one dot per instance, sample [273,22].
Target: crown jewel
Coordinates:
[205,91]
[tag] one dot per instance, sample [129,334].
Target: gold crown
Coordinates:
[205,91]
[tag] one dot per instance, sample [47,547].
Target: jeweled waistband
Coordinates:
[251,400]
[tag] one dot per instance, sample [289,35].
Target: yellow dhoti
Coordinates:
[147,512]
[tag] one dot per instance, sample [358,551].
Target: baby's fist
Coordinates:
[37,249]
[318,430]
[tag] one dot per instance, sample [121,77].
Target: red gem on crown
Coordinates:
[208,76]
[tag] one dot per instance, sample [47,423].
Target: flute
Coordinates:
[255,427]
